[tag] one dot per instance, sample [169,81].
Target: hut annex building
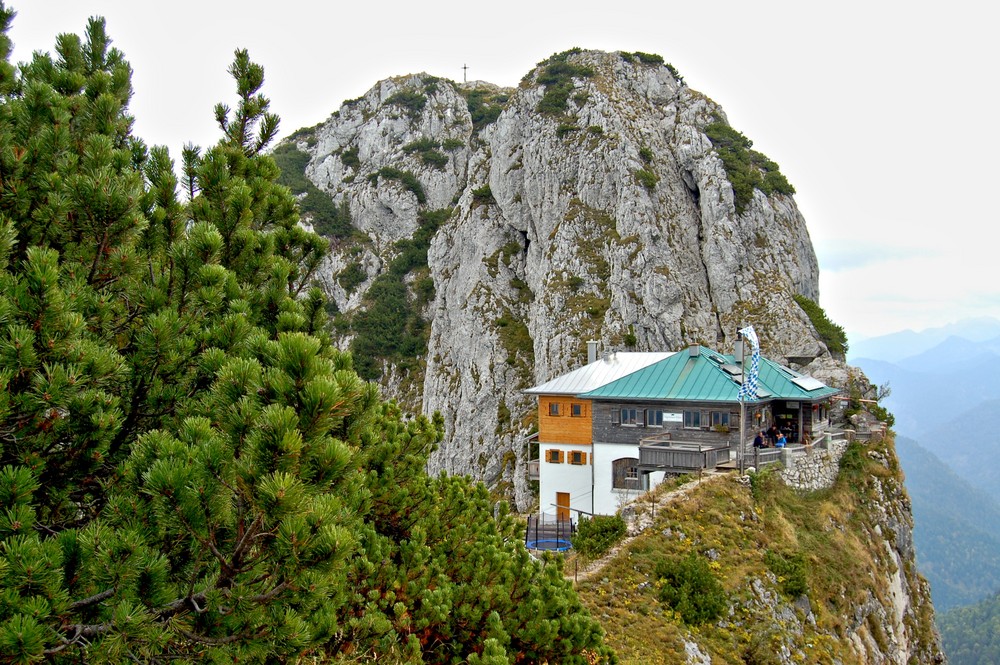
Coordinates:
[617,426]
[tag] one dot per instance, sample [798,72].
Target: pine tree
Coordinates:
[188,469]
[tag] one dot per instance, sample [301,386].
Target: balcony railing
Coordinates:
[662,454]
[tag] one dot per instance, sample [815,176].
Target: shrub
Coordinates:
[453,144]
[645,154]
[557,76]
[565,128]
[292,163]
[629,339]
[553,102]
[483,195]
[790,569]
[327,217]
[422,144]
[597,535]
[406,178]
[390,327]
[832,335]
[412,102]
[647,179]
[350,159]
[351,277]
[427,149]
[648,58]
[747,169]
[688,587]
[484,107]
[430,84]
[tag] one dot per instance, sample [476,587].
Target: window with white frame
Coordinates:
[654,418]
[692,419]
[720,419]
[630,417]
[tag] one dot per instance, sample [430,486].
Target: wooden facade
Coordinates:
[564,419]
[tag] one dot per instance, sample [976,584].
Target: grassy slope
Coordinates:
[833,529]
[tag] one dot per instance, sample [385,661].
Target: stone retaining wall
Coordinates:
[814,469]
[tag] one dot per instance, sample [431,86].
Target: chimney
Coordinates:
[738,350]
[694,350]
[592,351]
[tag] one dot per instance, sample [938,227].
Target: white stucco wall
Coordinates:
[590,488]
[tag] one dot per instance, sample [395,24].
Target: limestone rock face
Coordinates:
[601,212]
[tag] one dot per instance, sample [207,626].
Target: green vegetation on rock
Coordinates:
[427,149]
[412,102]
[557,76]
[327,217]
[832,334]
[747,169]
[405,178]
[647,179]
[390,329]
[485,106]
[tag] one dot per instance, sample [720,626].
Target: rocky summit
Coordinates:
[600,199]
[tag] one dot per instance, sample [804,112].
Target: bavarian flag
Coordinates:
[748,389]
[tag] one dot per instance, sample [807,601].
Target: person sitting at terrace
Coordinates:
[780,443]
[758,441]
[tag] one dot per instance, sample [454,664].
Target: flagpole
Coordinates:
[748,387]
[742,398]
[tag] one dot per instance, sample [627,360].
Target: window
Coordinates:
[576,410]
[625,473]
[692,419]
[720,419]
[553,408]
[630,417]
[654,418]
[554,456]
[577,457]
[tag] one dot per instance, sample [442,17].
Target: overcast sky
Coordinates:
[879,113]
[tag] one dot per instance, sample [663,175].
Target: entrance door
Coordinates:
[562,505]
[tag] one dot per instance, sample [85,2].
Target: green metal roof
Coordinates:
[709,377]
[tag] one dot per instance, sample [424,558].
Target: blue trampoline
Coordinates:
[550,544]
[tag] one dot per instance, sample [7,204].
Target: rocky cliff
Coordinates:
[600,199]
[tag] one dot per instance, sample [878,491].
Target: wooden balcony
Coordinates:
[663,454]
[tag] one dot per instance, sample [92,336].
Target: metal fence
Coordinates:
[548,532]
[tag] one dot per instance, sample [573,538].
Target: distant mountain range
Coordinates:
[947,398]
[945,394]
[956,529]
[907,343]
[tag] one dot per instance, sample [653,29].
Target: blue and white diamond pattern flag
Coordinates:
[748,389]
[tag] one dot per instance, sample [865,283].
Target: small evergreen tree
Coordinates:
[188,470]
